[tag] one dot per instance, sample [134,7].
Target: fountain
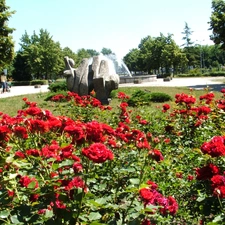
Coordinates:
[97,73]
[124,73]
[101,73]
[120,67]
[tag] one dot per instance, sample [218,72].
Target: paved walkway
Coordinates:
[214,83]
[24,90]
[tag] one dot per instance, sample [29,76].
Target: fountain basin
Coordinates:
[138,79]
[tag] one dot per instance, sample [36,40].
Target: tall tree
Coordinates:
[106,51]
[134,61]
[92,52]
[162,53]
[187,36]
[81,54]
[6,40]
[68,52]
[21,71]
[44,56]
[217,23]
[143,40]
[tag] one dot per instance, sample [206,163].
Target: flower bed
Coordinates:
[93,165]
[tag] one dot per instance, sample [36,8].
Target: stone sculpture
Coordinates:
[96,73]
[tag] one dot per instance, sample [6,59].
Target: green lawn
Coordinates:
[11,105]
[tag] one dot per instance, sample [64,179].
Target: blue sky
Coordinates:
[116,24]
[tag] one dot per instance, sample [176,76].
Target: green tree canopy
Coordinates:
[106,51]
[92,52]
[134,60]
[162,53]
[6,40]
[81,54]
[68,52]
[217,23]
[187,36]
[44,56]
[21,71]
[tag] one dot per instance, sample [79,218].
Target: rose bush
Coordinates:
[98,165]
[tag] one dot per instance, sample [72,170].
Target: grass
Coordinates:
[11,105]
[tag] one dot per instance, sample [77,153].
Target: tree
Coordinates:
[21,71]
[106,51]
[81,54]
[44,56]
[133,60]
[217,23]
[92,52]
[187,33]
[161,53]
[143,40]
[6,41]
[68,52]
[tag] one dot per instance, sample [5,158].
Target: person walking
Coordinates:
[3,81]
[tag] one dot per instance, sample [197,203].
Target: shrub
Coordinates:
[145,98]
[160,97]
[217,73]
[58,86]
[38,82]
[20,83]
[134,167]
[53,94]
[27,83]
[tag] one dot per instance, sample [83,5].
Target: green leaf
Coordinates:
[129,169]
[94,216]
[97,223]
[9,159]
[135,181]
[48,213]
[31,185]
[200,199]
[15,220]
[4,214]
[55,166]
[21,164]
[218,219]
[101,201]
[66,163]
[12,175]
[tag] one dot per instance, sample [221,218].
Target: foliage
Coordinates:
[22,70]
[59,93]
[145,98]
[217,22]
[81,54]
[27,83]
[35,82]
[187,33]
[134,60]
[21,83]
[42,54]
[68,52]
[6,41]
[90,165]
[106,51]
[92,52]
[160,97]
[160,54]
[58,86]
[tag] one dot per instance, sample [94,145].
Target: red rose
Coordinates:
[207,172]
[25,181]
[166,107]
[98,153]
